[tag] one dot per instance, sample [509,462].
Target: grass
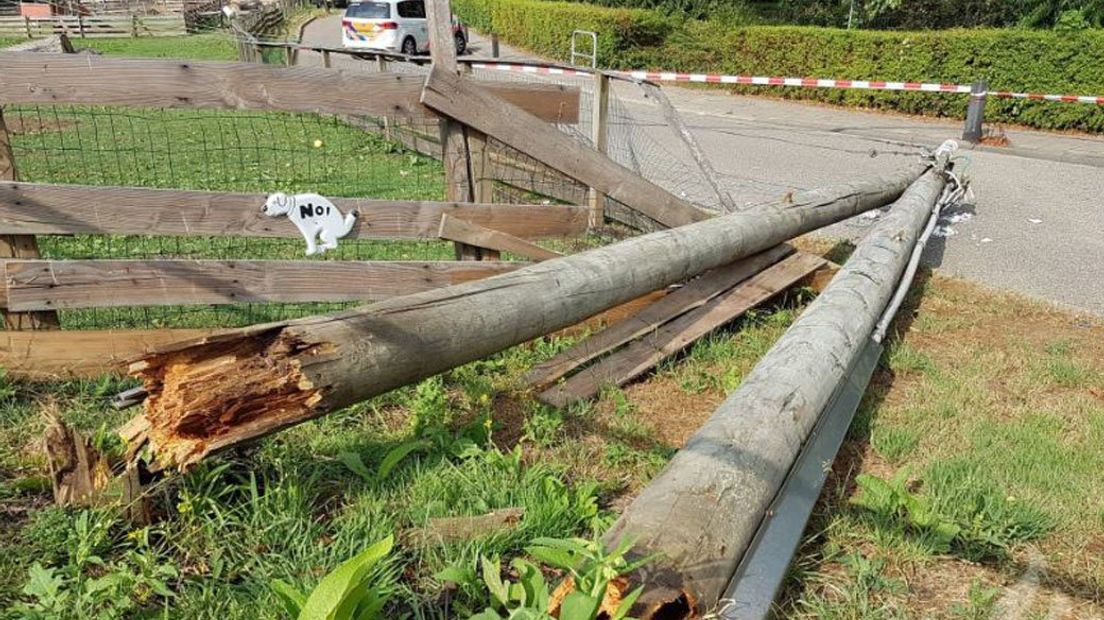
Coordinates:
[213,46]
[1010,460]
[964,406]
[992,407]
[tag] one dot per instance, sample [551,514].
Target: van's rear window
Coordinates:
[369,10]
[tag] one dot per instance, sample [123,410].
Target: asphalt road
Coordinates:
[1036,224]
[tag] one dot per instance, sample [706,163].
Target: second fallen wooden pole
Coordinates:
[702,510]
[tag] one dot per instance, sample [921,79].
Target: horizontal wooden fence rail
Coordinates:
[67,284]
[42,209]
[27,78]
[48,355]
[93,26]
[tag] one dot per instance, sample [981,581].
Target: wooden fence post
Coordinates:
[456,156]
[134,26]
[27,25]
[599,119]
[19,246]
[482,184]
[326,62]
[494,45]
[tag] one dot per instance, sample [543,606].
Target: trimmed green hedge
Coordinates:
[545,27]
[1016,60]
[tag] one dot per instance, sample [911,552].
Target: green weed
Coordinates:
[891,501]
[960,511]
[349,592]
[88,585]
[543,425]
[865,594]
[979,603]
[589,566]
[991,520]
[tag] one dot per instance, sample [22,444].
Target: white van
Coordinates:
[393,25]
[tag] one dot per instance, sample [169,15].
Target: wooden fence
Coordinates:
[515,176]
[93,26]
[35,289]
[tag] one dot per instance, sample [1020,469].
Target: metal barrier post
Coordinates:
[593,55]
[975,113]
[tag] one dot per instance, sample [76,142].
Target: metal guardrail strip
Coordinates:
[760,574]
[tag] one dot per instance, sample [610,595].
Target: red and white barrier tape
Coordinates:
[706,78]
[1035,96]
[748,80]
[522,68]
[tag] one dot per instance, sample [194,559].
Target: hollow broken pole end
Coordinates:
[215,394]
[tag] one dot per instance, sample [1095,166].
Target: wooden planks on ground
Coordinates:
[462,231]
[479,108]
[55,285]
[673,336]
[694,294]
[41,209]
[99,80]
[50,355]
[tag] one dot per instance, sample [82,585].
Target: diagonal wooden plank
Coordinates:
[50,285]
[456,229]
[643,354]
[43,209]
[476,107]
[694,294]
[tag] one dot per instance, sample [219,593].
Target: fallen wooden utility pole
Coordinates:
[700,513]
[220,391]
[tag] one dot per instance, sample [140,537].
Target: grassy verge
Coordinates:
[990,407]
[296,20]
[989,410]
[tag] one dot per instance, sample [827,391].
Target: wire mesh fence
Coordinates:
[219,151]
[353,157]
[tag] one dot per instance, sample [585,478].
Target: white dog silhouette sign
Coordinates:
[315,216]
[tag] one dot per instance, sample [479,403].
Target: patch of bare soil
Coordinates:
[935,589]
[509,417]
[673,413]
